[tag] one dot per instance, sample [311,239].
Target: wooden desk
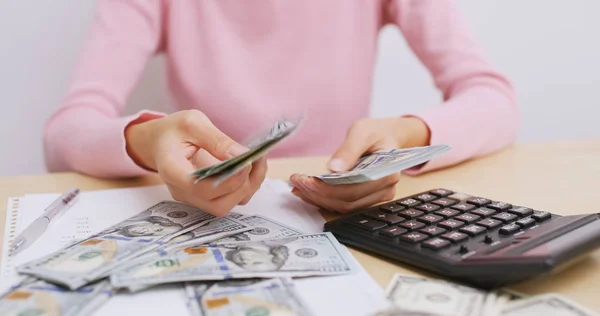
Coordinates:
[559,177]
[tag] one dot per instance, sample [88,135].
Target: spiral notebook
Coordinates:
[94,211]
[355,294]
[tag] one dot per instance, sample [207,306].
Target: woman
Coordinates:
[235,66]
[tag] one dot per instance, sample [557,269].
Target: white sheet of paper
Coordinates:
[356,294]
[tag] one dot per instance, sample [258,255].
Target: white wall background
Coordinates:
[549,48]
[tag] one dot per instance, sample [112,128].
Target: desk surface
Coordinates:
[559,177]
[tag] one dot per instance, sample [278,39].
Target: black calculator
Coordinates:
[469,239]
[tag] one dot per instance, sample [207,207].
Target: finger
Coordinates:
[175,169]
[301,195]
[204,134]
[385,194]
[359,140]
[356,143]
[345,192]
[203,159]
[256,178]
[223,204]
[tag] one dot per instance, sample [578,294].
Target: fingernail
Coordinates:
[337,164]
[236,149]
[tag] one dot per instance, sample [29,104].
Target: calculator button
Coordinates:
[505,217]
[483,212]
[509,229]
[540,216]
[499,206]
[428,207]
[392,231]
[413,237]
[455,237]
[425,197]
[444,202]
[435,243]
[412,225]
[473,230]
[409,202]
[489,223]
[459,197]
[525,222]
[521,211]
[441,192]
[447,213]
[450,224]
[467,217]
[430,219]
[410,213]
[432,230]
[383,217]
[366,223]
[391,208]
[463,207]
[478,201]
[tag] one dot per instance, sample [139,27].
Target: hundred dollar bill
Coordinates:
[305,255]
[210,231]
[276,296]
[546,304]
[383,163]
[43,298]
[417,294]
[93,257]
[205,233]
[262,228]
[257,148]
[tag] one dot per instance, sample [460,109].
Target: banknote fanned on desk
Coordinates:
[248,261]
[276,296]
[383,163]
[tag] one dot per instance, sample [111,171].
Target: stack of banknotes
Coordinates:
[372,166]
[383,163]
[232,265]
[416,295]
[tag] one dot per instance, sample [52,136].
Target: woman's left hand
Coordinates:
[364,136]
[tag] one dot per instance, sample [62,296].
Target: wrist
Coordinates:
[412,132]
[138,139]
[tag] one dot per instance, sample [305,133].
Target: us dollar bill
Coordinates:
[43,298]
[281,130]
[261,228]
[93,257]
[211,230]
[276,296]
[205,233]
[414,294]
[383,163]
[546,304]
[305,255]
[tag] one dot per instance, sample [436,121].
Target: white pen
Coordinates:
[39,226]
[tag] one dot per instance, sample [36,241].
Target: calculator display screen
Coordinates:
[563,244]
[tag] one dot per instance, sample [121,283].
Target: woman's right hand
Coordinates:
[178,144]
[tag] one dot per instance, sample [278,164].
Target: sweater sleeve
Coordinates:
[479,112]
[86,132]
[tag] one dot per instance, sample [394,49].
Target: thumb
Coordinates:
[353,147]
[216,143]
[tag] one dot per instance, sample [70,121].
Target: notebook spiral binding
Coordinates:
[11,227]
